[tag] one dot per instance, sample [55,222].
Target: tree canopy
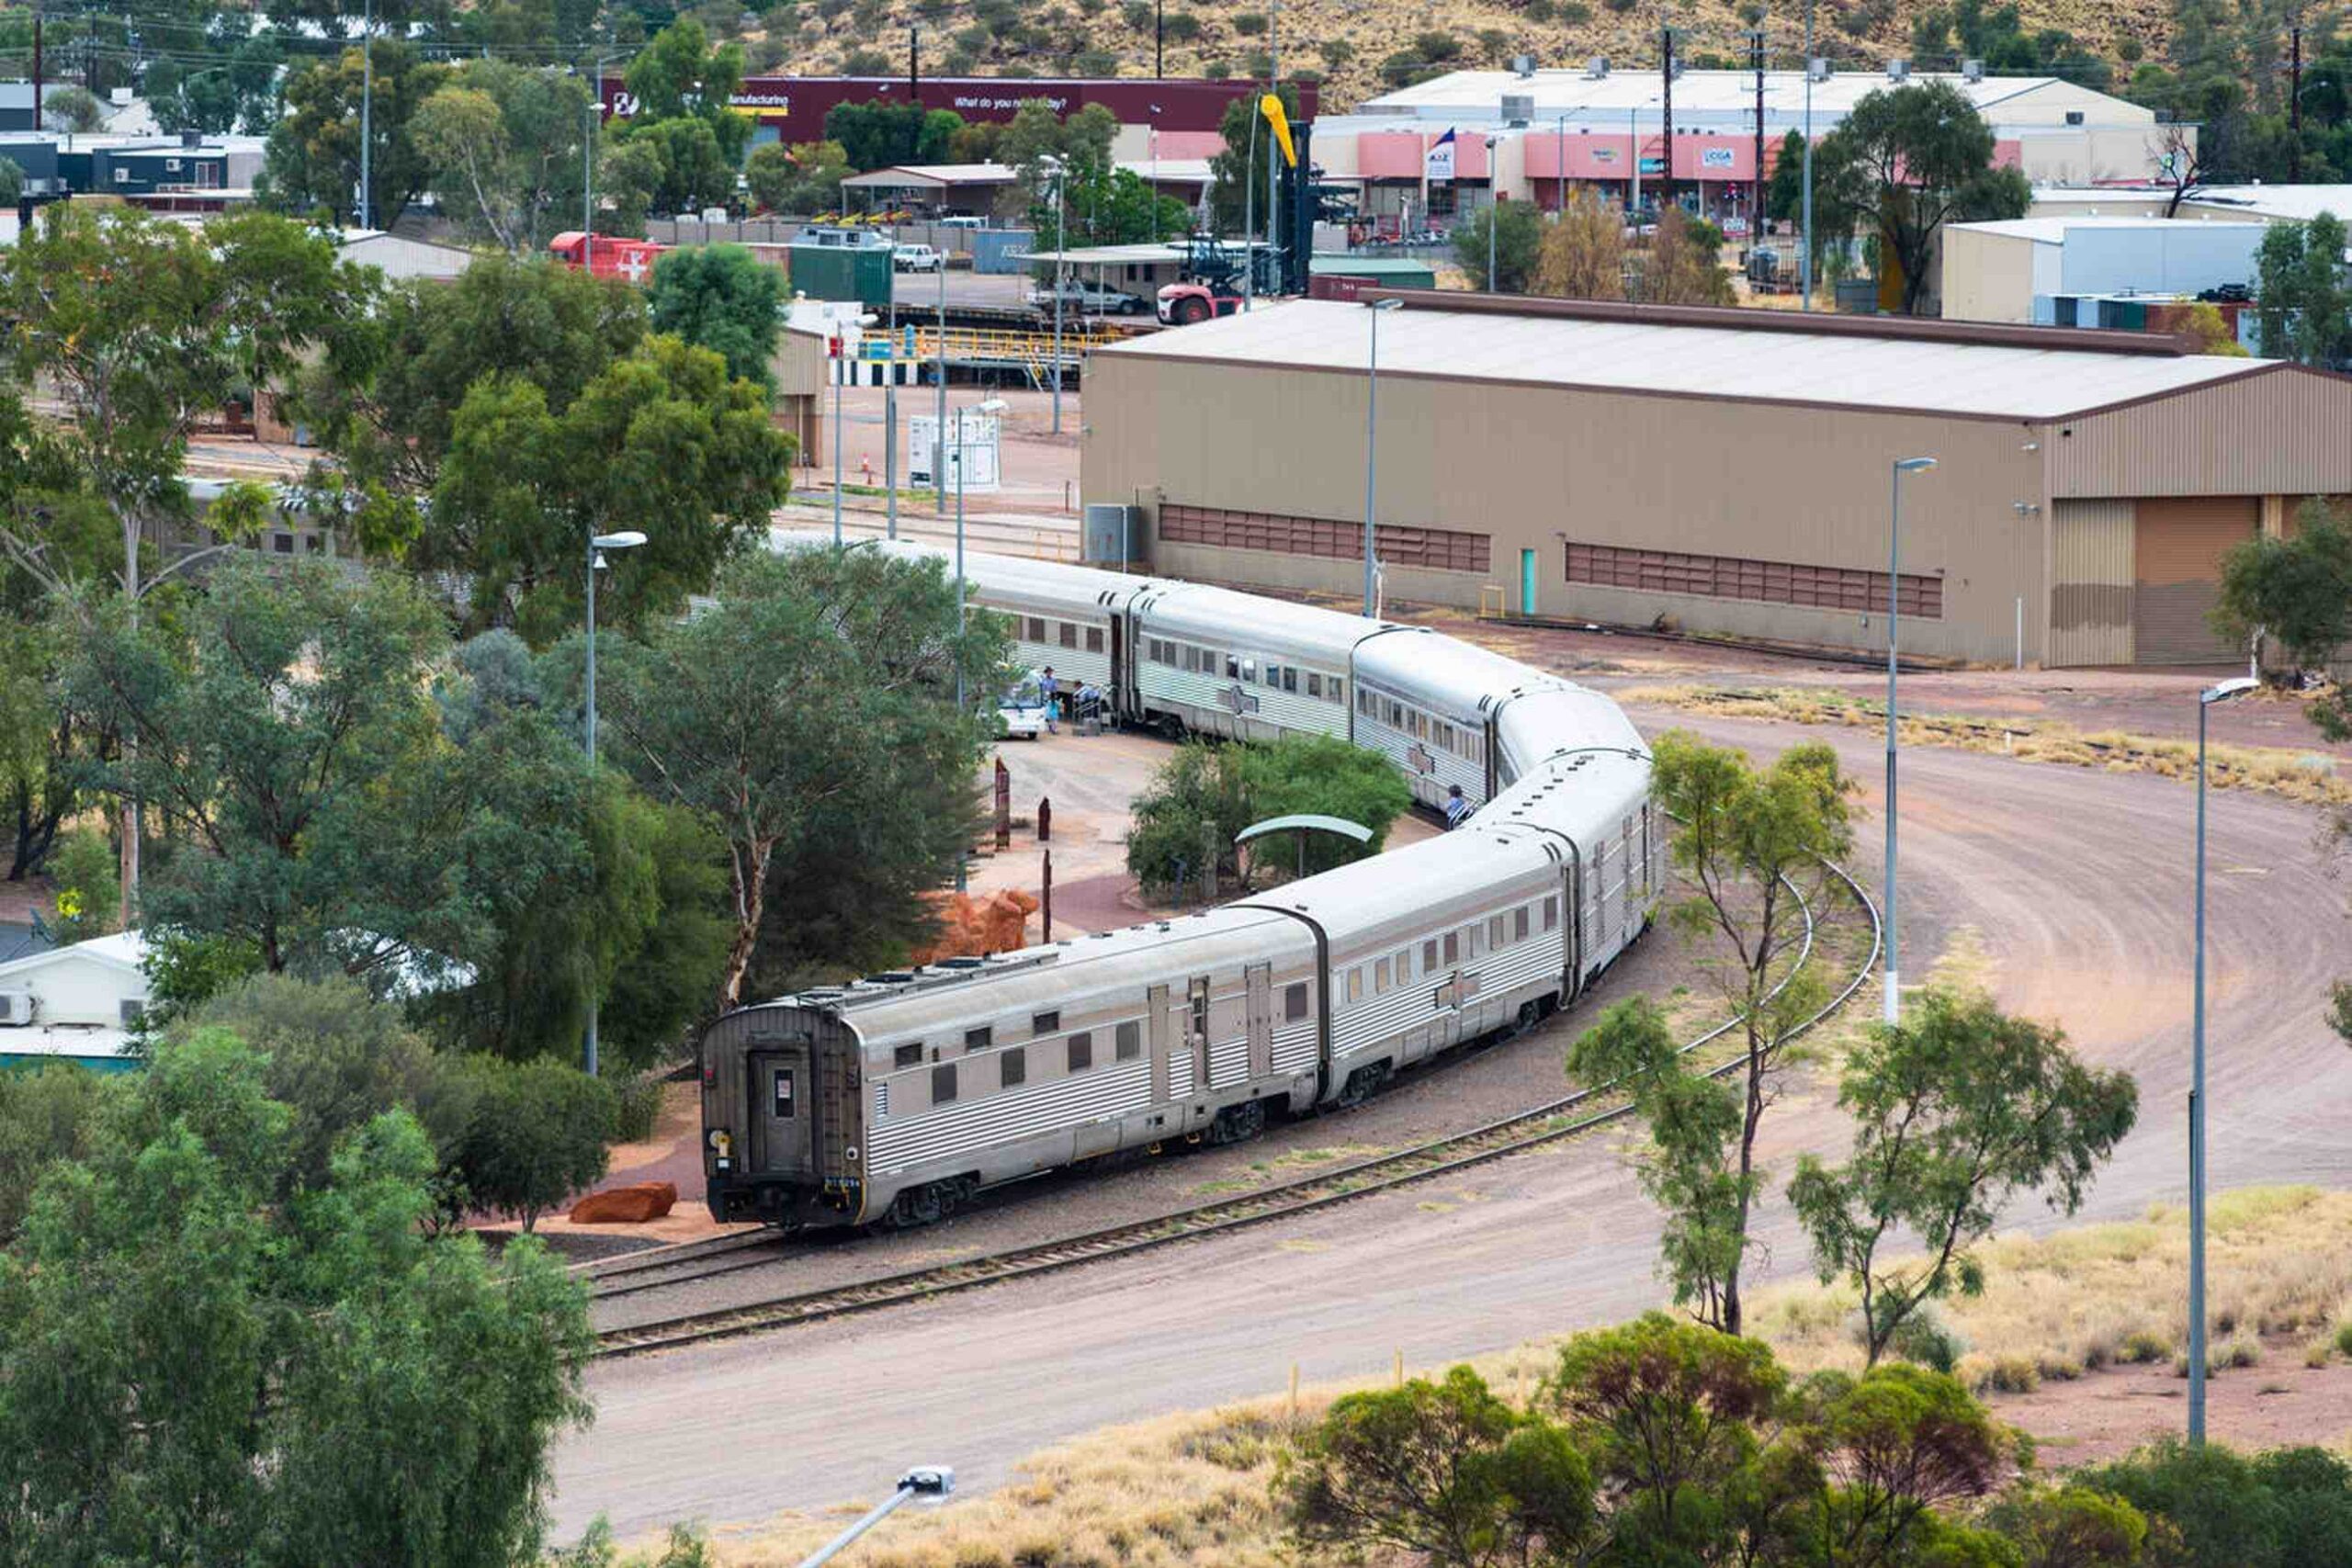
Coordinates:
[1517,232]
[2303,293]
[723,299]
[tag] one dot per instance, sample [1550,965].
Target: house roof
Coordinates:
[1997,373]
[124,951]
[925,176]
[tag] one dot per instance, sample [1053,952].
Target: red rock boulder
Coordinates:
[626,1205]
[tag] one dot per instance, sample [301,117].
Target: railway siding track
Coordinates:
[1544,1124]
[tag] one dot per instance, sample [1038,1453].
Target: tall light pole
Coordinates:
[366,115]
[1560,158]
[588,166]
[1494,209]
[2205,700]
[1893,583]
[1372,441]
[924,1481]
[1057,169]
[1805,254]
[627,539]
[990,406]
[840,368]
[939,425]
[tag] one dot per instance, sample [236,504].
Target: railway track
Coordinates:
[1548,1123]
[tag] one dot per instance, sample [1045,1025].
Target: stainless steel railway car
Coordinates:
[898,1097]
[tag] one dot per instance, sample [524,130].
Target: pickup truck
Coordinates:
[1086,298]
[915,258]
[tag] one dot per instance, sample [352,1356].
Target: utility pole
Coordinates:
[1804,251]
[1160,39]
[2295,106]
[36,68]
[914,73]
[1274,86]
[1666,175]
[1756,202]
[367,116]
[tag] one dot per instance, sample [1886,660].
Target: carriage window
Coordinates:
[1127,1041]
[1470,941]
[1249,670]
[1046,1023]
[1494,930]
[943,1083]
[1428,954]
[1094,639]
[1081,1052]
[1403,966]
[1293,1003]
[1519,924]
[1192,657]
[1396,716]
[1338,689]
[1232,668]
[1016,1067]
[1355,984]
[1069,634]
[979,1038]
[1453,948]
[1290,681]
[908,1055]
[1379,976]
[1551,913]
[1273,676]
[1315,686]
[1036,628]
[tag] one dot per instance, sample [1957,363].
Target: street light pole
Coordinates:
[991,406]
[840,369]
[2205,700]
[627,539]
[1893,583]
[939,430]
[1805,254]
[1494,209]
[366,115]
[1371,443]
[924,1480]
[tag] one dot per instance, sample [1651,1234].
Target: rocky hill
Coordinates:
[1361,47]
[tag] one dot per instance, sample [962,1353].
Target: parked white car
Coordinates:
[916,258]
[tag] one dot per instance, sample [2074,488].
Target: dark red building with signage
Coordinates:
[793,109]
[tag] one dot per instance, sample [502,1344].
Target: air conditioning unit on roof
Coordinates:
[1816,69]
[1898,71]
[1596,68]
[1972,70]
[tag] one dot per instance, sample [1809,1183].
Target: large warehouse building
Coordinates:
[1726,472]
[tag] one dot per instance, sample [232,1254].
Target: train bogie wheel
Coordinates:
[1238,1124]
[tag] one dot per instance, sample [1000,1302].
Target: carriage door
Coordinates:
[1261,1020]
[780,1094]
[1196,1028]
[1156,1020]
[1115,689]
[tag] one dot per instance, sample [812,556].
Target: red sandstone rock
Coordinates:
[626,1205]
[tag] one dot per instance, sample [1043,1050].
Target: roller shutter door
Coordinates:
[2090,599]
[2176,555]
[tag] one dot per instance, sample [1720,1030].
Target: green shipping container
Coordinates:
[843,273]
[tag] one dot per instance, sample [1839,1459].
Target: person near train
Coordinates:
[1050,689]
[1457,809]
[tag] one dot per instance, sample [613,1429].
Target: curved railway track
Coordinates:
[1532,1129]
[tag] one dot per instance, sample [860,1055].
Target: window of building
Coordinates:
[1016,1067]
[1046,1023]
[1445,549]
[1127,1041]
[1081,1052]
[1036,628]
[943,1083]
[1293,1003]
[908,1055]
[1094,639]
[1767,581]
[979,1038]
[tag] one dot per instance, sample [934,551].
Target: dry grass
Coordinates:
[2281,1260]
[2272,771]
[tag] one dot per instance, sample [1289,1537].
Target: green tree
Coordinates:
[1903,164]
[192,1365]
[803,178]
[2296,588]
[234,86]
[683,84]
[1323,775]
[72,110]
[501,144]
[334,1056]
[1748,842]
[533,1133]
[2303,293]
[628,173]
[1203,795]
[1956,1109]
[2217,1505]
[2069,1527]
[12,181]
[1445,1470]
[89,885]
[46,742]
[49,1115]
[820,685]
[723,299]
[1583,252]
[1895,1445]
[879,134]
[1187,815]
[1517,233]
[311,164]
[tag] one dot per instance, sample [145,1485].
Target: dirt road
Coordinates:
[2078,884]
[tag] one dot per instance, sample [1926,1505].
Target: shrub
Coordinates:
[1573,13]
[2012,1374]
[1250,24]
[89,886]
[2343,1338]
[1183,27]
[1137,14]
[1926,1338]
[867,62]
[533,1133]
[2318,1353]
[1338,53]
[2141,1347]
[636,1106]
[1436,46]
[2239,1352]
[1538,11]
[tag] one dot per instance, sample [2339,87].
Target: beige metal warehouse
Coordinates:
[1721,471]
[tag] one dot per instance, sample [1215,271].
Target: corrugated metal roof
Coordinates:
[1978,379]
[1477,94]
[907,174]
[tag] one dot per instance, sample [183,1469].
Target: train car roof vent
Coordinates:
[962,964]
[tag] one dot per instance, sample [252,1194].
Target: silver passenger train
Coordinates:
[898,1097]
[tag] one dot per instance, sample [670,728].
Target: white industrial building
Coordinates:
[2024,269]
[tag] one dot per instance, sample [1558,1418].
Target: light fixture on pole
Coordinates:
[991,406]
[1372,440]
[2205,701]
[627,539]
[932,1481]
[1804,251]
[1494,209]
[840,369]
[1894,581]
[367,116]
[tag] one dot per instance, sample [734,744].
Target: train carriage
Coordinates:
[1232,664]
